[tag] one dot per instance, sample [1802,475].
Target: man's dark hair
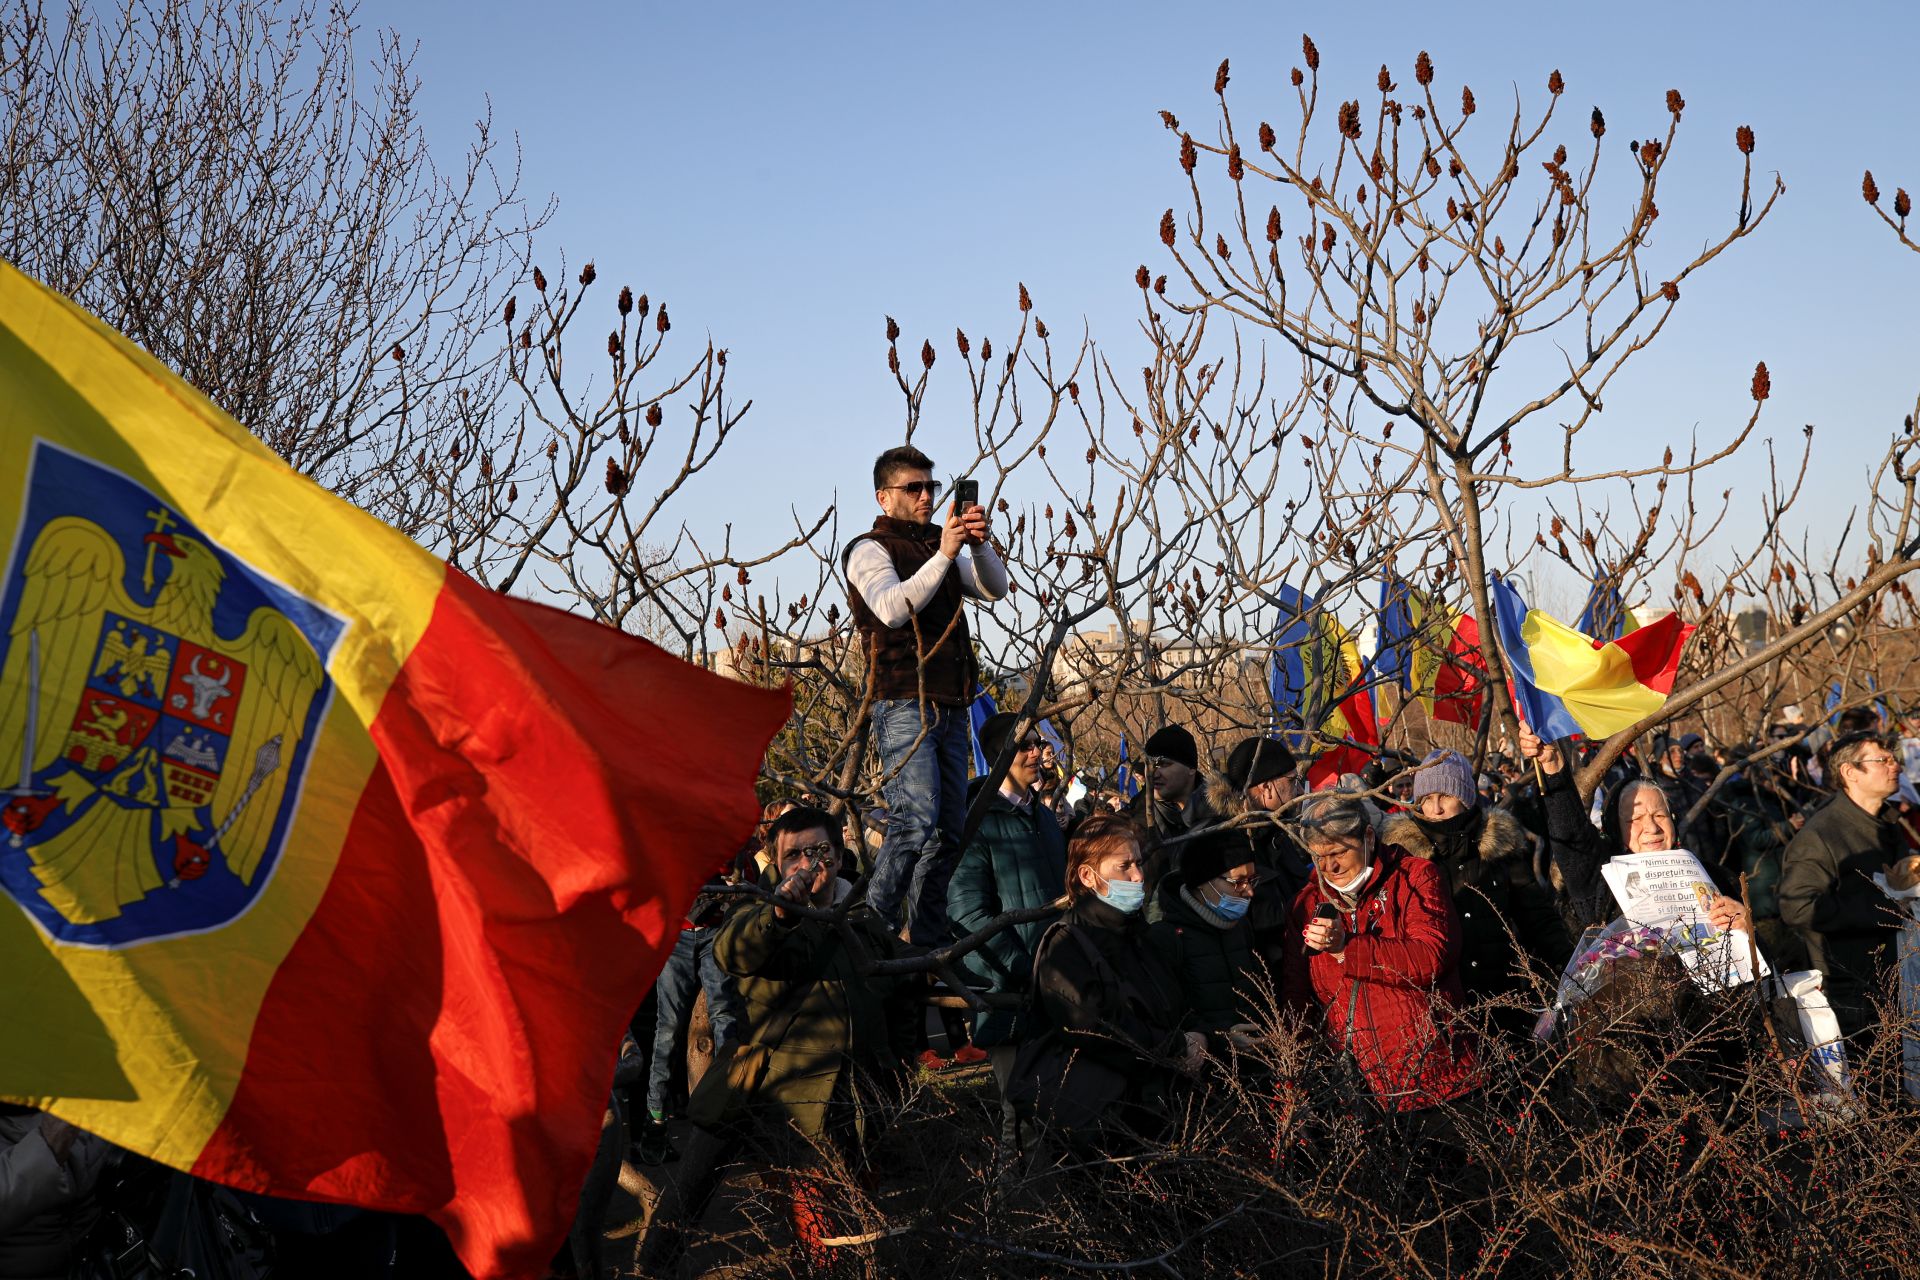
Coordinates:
[1849,747]
[900,458]
[803,818]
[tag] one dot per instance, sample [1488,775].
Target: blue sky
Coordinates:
[786,175]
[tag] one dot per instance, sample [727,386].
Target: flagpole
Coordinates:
[1506,669]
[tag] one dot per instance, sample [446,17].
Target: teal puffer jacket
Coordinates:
[1017,859]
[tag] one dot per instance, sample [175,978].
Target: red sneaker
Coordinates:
[967,1055]
[931,1060]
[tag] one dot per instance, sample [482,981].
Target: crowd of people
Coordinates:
[1153,946]
[1145,942]
[1121,952]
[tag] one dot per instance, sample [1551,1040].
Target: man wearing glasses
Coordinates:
[907,580]
[822,1057]
[1826,887]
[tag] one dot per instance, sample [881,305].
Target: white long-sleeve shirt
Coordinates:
[870,570]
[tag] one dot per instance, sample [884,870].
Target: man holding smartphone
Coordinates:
[907,579]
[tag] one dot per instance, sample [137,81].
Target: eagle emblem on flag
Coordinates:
[159,696]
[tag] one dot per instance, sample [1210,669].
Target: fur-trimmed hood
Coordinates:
[1502,838]
[1227,801]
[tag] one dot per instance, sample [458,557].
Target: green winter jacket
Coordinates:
[1217,969]
[1759,827]
[845,1022]
[1017,859]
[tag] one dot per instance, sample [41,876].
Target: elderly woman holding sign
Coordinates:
[1636,819]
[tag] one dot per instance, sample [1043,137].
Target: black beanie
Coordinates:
[995,733]
[1258,760]
[1175,743]
[1208,856]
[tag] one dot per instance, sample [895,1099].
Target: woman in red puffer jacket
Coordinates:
[1384,975]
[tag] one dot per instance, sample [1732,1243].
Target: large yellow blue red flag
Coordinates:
[325,872]
[1566,682]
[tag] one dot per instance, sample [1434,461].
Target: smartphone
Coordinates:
[966,494]
[1327,911]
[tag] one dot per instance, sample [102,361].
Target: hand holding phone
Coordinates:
[966,498]
[1323,930]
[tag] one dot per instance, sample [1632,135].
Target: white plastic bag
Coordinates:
[1818,1025]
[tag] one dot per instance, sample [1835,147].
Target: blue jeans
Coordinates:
[926,808]
[689,970]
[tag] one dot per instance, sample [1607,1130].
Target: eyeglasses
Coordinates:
[1242,884]
[1868,761]
[1032,744]
[812,852]
[917,487]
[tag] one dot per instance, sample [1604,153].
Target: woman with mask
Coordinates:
[1198,924]
[1375,957]
[1635,819]
[1488,863]
[1111,1048]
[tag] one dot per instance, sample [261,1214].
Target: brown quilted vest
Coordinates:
[925,653]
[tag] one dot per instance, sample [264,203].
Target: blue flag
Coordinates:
[977,713]
[1123,779]
[1289,683]
[1545,714]
[1393,649]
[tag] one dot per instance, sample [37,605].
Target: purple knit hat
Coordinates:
[1449,774]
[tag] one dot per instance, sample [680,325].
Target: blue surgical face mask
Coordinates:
[1232,906]
[1125,895]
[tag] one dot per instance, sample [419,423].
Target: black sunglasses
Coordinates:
[917,487]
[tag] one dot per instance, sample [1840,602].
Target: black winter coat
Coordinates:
[1215,967]
[1285,869]
[1490,870]
[1130,1021]
[1759,828]
[1828,896]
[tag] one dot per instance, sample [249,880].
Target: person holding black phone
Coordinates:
[908,579]
[1375,957]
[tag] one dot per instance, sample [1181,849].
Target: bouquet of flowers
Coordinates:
[1598,950]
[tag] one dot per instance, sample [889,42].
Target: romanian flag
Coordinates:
[1565,682]
[325,872]
[1351,726]
[1430,650]
[1322,692]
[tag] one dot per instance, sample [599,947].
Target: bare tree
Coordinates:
[1431,274]
[224,182]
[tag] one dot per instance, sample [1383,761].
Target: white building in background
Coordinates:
[1191,662]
